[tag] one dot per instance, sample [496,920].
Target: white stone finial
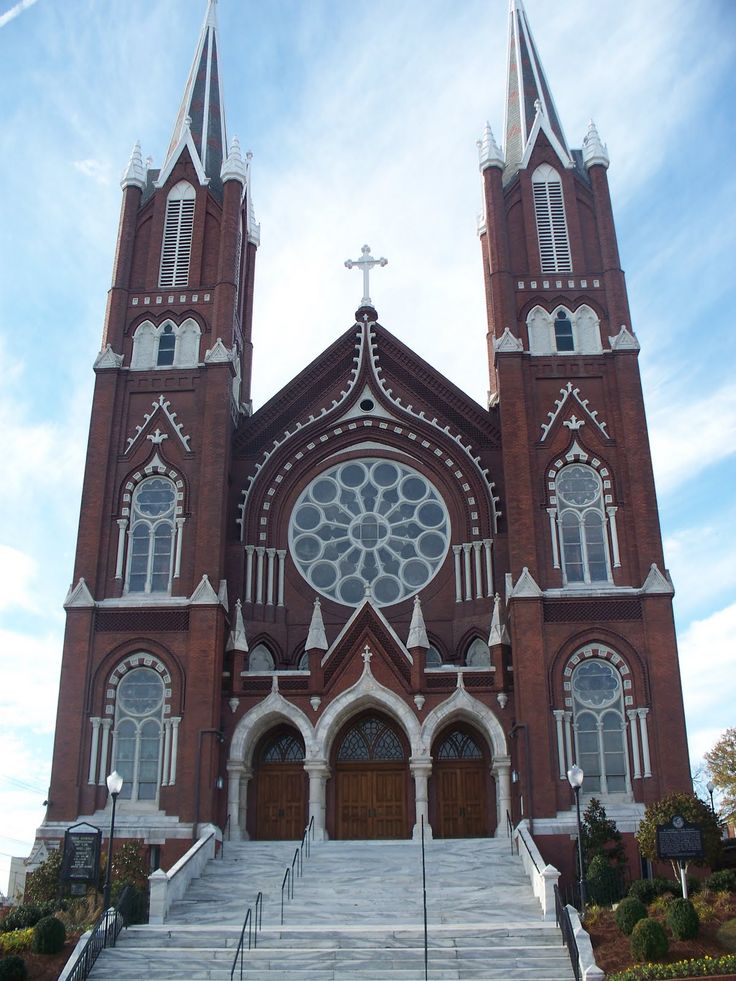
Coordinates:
[538,108]
[366,263]
[188,121]
[594,150]
[417,630]
[135,173]
[237,640]
[234,168]
[316,638]
[499,634]
[489,152]
[367,655]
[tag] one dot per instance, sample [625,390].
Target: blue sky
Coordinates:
[363,120]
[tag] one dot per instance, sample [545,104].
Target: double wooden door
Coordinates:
[461,799]
[281,802]
[371,801]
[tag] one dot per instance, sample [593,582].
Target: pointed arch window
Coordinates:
[564,338]
[151,540]
[261,659]
[137,738]
[600,729]
[549,211]
[478,655]
[582,525]
[176,249]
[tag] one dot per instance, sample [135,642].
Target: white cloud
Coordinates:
[15,11]
[96,169]
[707,657]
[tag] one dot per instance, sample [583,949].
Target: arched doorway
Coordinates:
[371,780]
[281,786]
[461,784]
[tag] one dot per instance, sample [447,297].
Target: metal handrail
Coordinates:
[562,917]
[520,838]
[247,922]
[225,828]
[510,829]
[104,934]
[296,861]
[284,882]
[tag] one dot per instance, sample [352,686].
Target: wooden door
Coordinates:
[461,800]
[281,802]
[371,802]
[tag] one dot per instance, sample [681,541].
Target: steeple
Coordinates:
[202,110]
[528,96]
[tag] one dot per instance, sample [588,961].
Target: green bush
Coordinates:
[683,920]
[27,915]
[13,969]
[43,884]
[647,890]
[49,936]
[726,935]
[698,967]
[628,913]
[16,941]
[648,940]
[723,881]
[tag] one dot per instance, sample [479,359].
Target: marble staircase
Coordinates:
[356,914]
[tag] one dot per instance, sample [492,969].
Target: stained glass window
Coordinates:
[371,739]
[284,748]
[458,745]
[138,711]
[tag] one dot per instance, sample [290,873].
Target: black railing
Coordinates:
[562,916]
[424,890]
[296,869]
[104,934]
[510,830]
[225,833]
[253,922]
[520,838]
[286,882]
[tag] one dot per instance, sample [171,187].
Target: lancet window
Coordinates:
[549,210]
[151,536]
[137,737]
[582,525]
[176,249]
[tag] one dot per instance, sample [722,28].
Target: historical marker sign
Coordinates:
[679,840]
[81,859]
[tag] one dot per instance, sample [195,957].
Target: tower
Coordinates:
[370,603]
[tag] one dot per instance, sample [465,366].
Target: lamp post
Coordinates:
[575,777]
[114,786]
[710,787]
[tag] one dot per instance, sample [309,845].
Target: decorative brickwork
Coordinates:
[141,621]
[591,611]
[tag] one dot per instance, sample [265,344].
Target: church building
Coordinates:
[370,603]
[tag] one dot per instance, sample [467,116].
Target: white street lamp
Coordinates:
[575,778]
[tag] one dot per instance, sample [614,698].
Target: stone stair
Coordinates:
[356,914]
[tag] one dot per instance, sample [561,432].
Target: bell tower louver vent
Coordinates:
[549,210]
[176,250]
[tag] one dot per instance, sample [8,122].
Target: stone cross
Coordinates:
[366,263]
[367,655]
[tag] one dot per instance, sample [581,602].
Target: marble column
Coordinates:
[318,773]
[501,770]
[238,775]
[421,769]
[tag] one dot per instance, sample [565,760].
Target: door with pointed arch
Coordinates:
[281,787]
[371,780]
[461,785]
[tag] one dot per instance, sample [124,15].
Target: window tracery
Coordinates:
[370,739]
[137,738]
[581,519]
[151,536]
[459,745]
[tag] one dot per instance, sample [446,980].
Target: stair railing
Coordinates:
[424,890]
[296,869]
[510,830]
[104,934]
[253,922]
[285,882]
[562,918]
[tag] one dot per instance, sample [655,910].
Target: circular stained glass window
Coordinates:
[376,523]
[596,684]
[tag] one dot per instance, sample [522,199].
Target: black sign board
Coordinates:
[81,860]
[679,839]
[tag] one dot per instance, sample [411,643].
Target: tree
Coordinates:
[600,836]
[693,810]
[43,884]
[721,761]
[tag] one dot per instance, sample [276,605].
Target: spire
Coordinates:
[527,92]
[417,630]
[202,109]
[135,172]
[237,640]
[595,150]
[489,152]
[317,638]
[499,634]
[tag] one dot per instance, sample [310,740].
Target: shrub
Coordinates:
[727,935]
[647,890]
[27,915]
[43,884]
[49,936]
[661,904]
[628,913]
[648,940]
[16,941]
[699,967]
[13,969]
[683,920]
[722,881]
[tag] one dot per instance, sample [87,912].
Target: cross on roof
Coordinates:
[366,263]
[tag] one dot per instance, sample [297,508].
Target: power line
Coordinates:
[21,784]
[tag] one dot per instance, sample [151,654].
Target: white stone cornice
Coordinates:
[507,342]
[78,596]
[625,340]
[107,358]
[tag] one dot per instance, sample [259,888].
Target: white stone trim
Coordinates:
[633,717]
[122,528]
[567,392]
[461,705]
[161,404]
[95,723]
[643,712]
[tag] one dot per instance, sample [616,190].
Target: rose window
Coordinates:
[376,523]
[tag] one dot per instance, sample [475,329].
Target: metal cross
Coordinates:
[366,263]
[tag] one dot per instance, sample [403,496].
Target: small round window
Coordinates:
[376,523]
